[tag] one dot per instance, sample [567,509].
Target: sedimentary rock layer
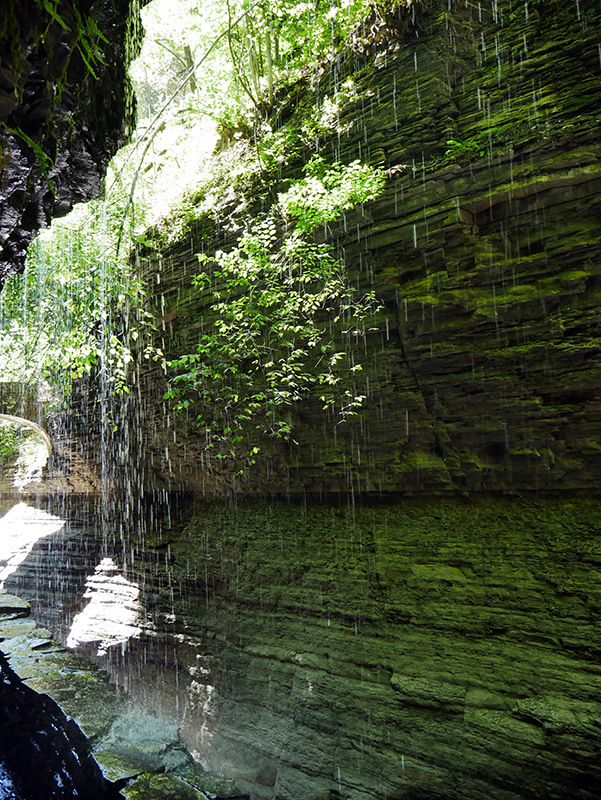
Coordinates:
[45,752]
[481,371]
[430,649]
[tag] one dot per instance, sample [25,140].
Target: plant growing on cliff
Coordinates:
[246,48]
[278,299]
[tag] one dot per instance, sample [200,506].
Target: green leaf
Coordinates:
[50,6]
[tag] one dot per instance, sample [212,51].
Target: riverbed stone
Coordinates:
[11,605]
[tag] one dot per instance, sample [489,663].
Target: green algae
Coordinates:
[162,787]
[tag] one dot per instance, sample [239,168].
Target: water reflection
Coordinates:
[113,615]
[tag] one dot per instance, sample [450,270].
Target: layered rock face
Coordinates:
[481,372]
[429,649]
[423,650]
[66,106]
[434,648]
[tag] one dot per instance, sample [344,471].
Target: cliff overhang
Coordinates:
[66,106]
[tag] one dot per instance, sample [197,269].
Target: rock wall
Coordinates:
[435,647]
[66,106]
[429,649]
[44,753]
[482,373]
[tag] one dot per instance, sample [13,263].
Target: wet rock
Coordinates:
[11,605]
[439,649]
[46,753]
[137,743]
[128,745]
[63,118]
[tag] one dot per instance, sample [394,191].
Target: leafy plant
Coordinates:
[246,47]
[328,191]
[76,308]
[11,438]
[285,318]
[73,312]
[471,148]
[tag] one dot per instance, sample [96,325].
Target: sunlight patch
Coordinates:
[113,614]
[20,529]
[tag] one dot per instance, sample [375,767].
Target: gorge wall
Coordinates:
[426,649]
[399,631]
[481,372]
[66,107]
[373,641]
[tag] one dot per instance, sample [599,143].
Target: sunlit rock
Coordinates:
[113,613]
[20,528]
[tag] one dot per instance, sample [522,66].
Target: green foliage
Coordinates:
[85,37]
[278,147]
[51,7]
[285,318]
[328,191]
[86,33]
[88,37]
[246,50]
[78,309]
[11,438]
[471,148]
[72,311]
